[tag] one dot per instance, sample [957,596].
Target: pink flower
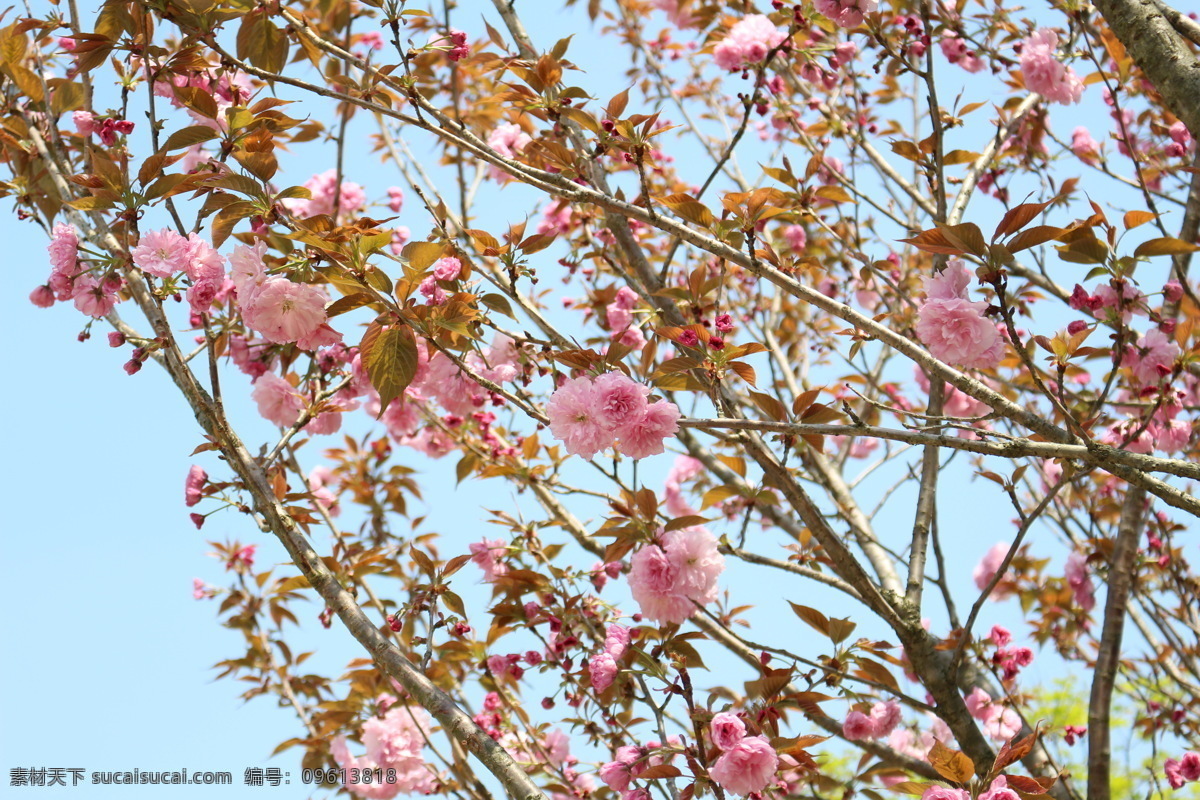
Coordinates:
[277,401]
[1153,358]
[726,730]
[1000,636]
[618,400]
[858,726]
[999,791]
[796,237]
[574,418]
[194,485]
[447,269]
[488,555]
[616,640]
[508,140]
[42,296]
[669,579]
[1044,73]
[64,250]
[847,13]
[395,199]
[616,775]
[200,590]
[989,565]
[954,328]
[284,311]
[91,298]
[203,263]
[242,558]
[394,742]
[748,767]
[748,43]
[246,269]
[161,253]
[459,49]
[323,189]
[884,718]
[684,469]
[644,436]
[603,669]
[1084,146]
[1077,578]
[939,792]
[956,52]
[85,123]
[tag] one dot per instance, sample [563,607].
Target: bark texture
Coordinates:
[1161,53]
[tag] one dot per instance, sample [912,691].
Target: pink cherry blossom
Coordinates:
[796,237]
[726,730]
[939,792]
[858,726]
[746,768]
[988,567]
[846,13]
[574,418]
[508,139]
[884,718]
[618,400]
[42,296]
[285,311]
[1077,578]
[616,640]
[956,52]
[447,269]
[1084,146]
[324,189]
[603,669]
[395,199]
[162,253]
[1044,73]
[395,741]
[194,485]
[684,469]
[668,579]
[998,790]
[277,401]
[1152,358]
[488,555]
[91,297]
[64,250]
[644,436]
[748,42]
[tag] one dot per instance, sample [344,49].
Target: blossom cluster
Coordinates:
[747,763]
[1044,73]
[1184,770]
[393,742]
[675,574]
[953,327]
[603,665]
[878,724]
[588,416]
[748,43]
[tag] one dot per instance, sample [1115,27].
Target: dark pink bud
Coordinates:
[1076,326]
[197,519]
[716,343]
[132,366]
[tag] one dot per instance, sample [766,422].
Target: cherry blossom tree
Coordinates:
[739,329]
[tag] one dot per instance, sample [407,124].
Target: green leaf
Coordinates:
[390,355]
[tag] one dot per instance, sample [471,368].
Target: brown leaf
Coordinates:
[951,764]
[1018,217]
